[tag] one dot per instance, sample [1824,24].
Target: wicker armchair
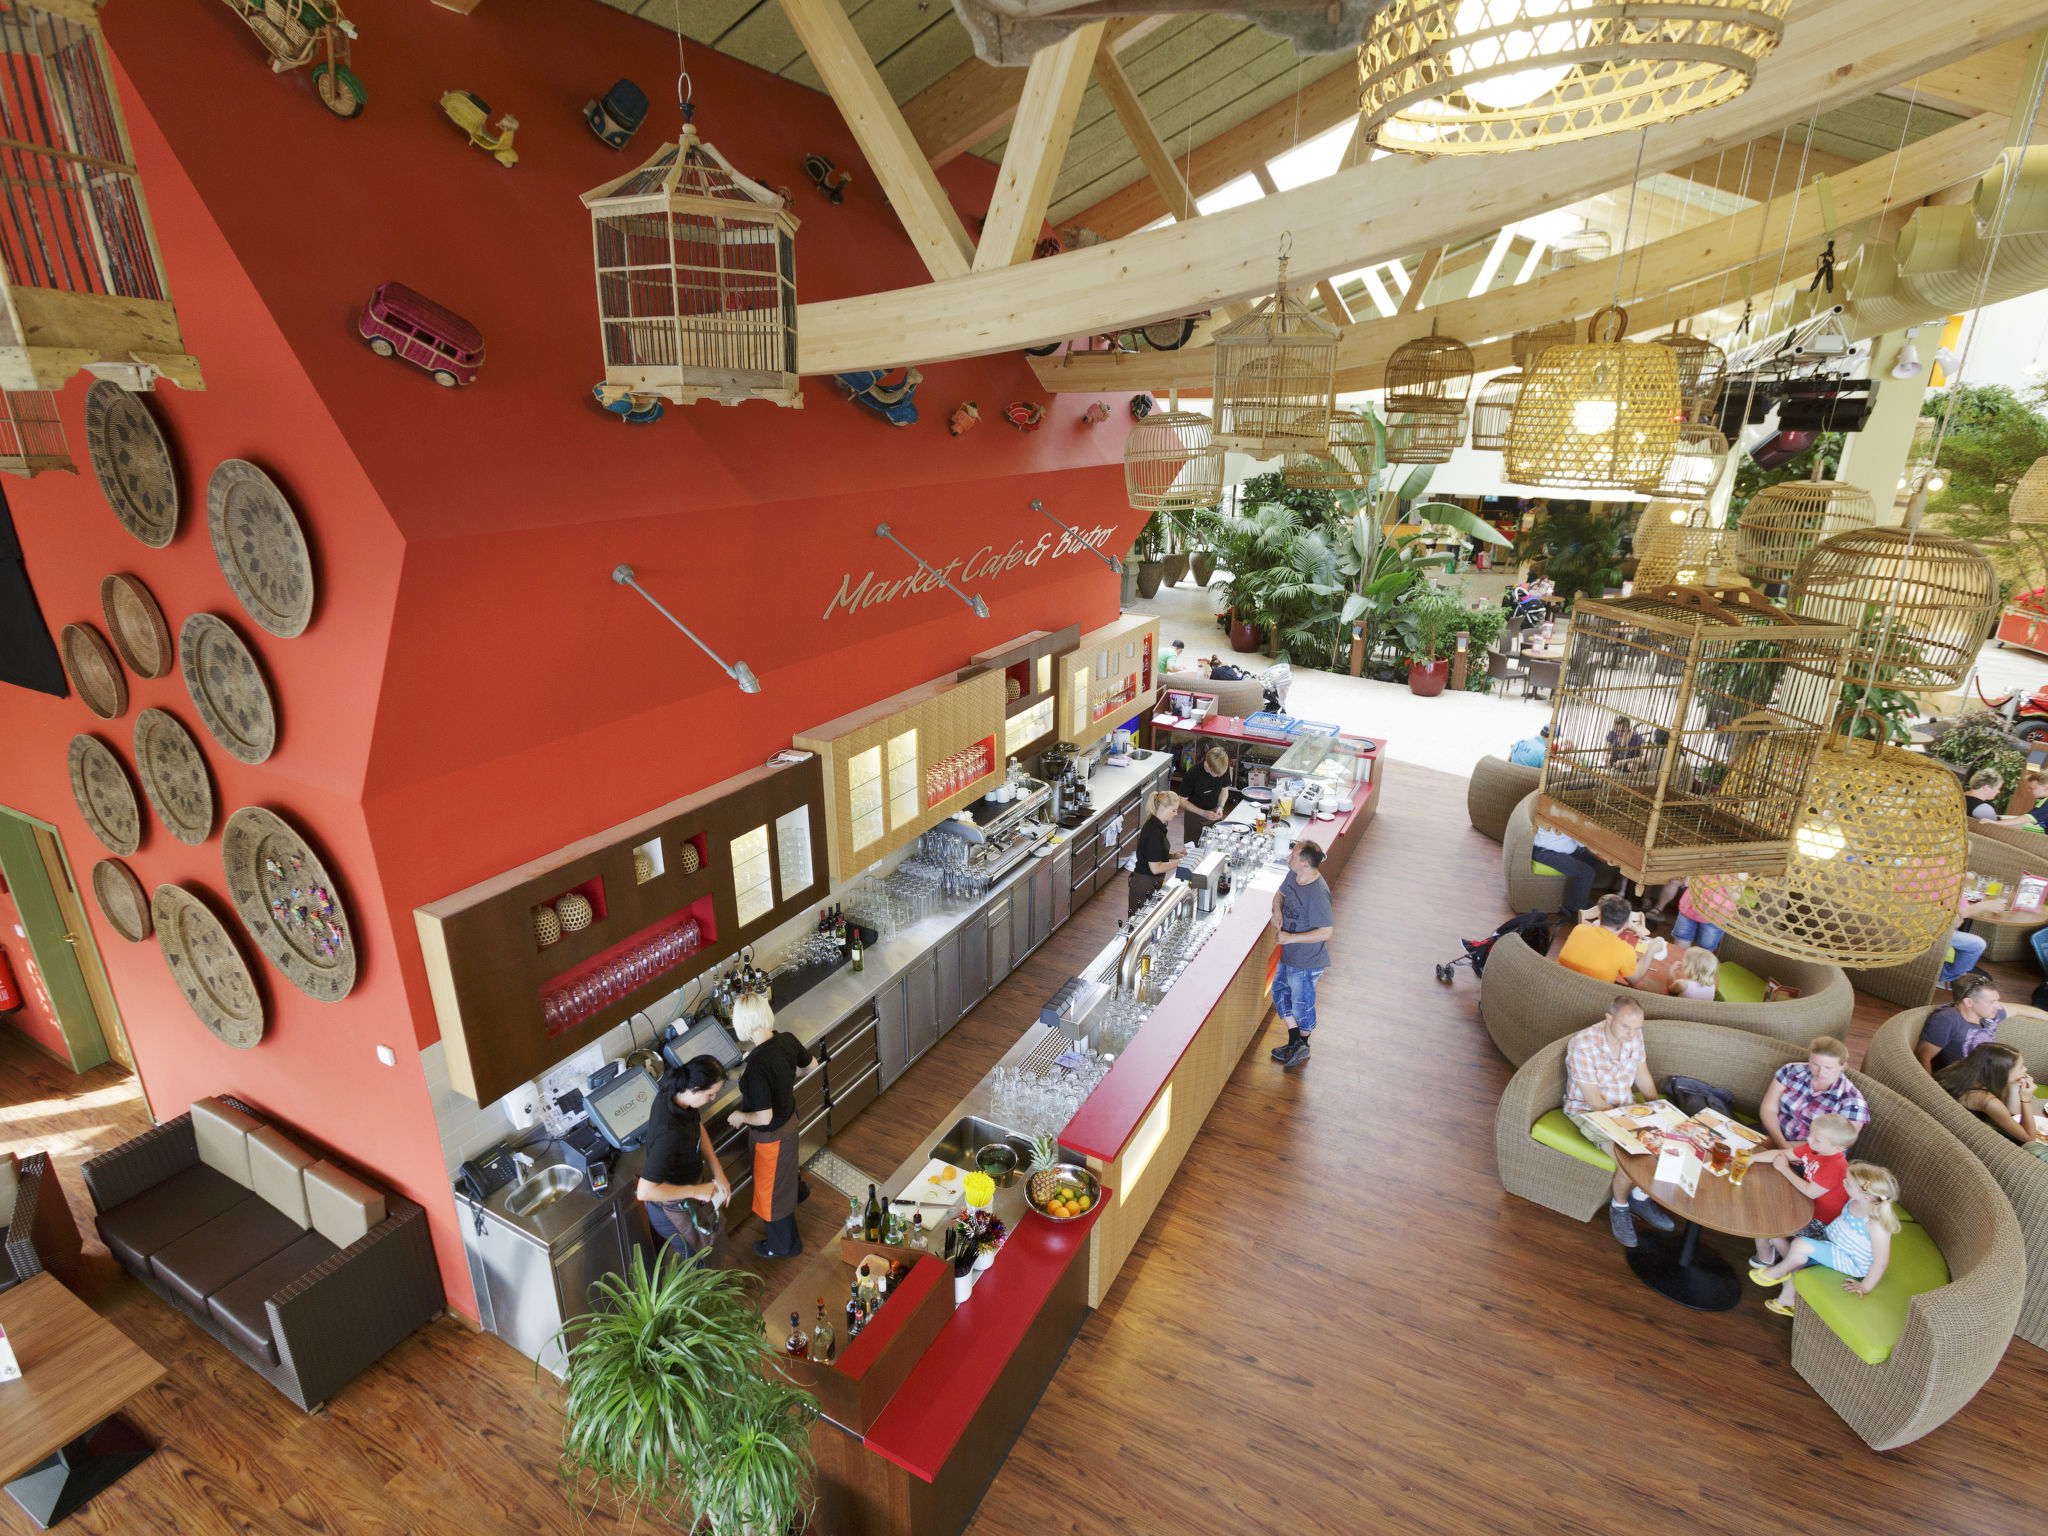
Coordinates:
[1527,1000]
[2002,860]
[41,1234]
[1910,984]
[2026,836]
[1496,788]
[2024,1179]
[1527,890]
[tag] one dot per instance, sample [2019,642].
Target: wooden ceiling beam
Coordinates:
[1038,143]
[1335,310]
[1174,194]
[1419,281]
[1985,82]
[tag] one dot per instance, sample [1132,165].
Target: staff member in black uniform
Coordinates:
[1206,792]
[682,1203]
[1156,858]
[768,1111]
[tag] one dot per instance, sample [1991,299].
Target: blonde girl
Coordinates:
[1206,792]
[1156,858]
[1696,975]
[1858,1243]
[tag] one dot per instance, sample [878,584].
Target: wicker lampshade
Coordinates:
[1696,464]
[1702,368]
[1172,463]
[1706,681]
[1494,409]
[1783,522]
[1423,437]
[1527,346]
[1430,373]
[1480,76]
[1353,458]
[1920,603]
[1681,555]
[1658,514]
[1276,378]
[1878,859]
[2030,497]
[1599,413]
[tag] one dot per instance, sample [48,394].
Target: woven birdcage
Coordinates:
[2029,502]
[1603,413]
[1493,409]
[1481,76]
[696,281]
[1783,522]
[1172,463]
[1661,698]
[1429,374]
[1660,514]
[1702,368]
[1276,378]
[1527,346]
[1878,859]
[1423,437]
[1680,555]
[31,434]
[1920,603]
[1350,462]
[1696,464]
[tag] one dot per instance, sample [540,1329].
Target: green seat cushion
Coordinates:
[1871,1325]
[1556,1130]
[1544,869]
[1738,984]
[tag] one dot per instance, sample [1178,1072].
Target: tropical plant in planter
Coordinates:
[676,1407]
[1429,621]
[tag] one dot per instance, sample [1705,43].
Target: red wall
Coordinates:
[36,1018]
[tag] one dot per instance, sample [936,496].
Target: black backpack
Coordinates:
[1692,1096]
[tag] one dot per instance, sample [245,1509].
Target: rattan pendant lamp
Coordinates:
[1446,77]
[1598,414]
[1684,555]
[2029,502]
[1172,462]
[1493,408]
[1783,522]
[1276,376]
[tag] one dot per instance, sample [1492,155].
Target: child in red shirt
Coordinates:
[1818,1168]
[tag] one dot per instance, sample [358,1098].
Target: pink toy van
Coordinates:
[398,321]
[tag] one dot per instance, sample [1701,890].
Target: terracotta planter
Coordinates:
[1176,567]
[1243,637]
[1428,679]
[1203,563]
[1150,574]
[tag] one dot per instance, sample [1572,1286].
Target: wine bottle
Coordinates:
[855,949]
[852,1313]
[872,1227]
[798,1344]
[917,1230]
[824,1347]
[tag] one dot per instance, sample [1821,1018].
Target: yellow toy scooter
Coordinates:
[472,114]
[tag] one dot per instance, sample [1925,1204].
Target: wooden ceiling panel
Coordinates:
[927,58]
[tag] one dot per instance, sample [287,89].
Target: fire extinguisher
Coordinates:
[10,993]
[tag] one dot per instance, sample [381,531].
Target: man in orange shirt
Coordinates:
[1600,951]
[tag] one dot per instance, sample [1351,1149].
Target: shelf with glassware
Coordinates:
[1031,722]
[1108,678]
[904,764]
[534,963]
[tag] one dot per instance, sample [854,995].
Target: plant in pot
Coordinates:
[1428,622]
[676,1406]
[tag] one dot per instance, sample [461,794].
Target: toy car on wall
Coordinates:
[615,115]
[399,322]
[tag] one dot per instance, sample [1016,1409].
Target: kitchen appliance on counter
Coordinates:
[1208,871]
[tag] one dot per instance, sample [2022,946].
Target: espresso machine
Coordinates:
[1059,766]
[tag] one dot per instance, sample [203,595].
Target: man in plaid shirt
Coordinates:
[1802,1090]
[1604,1068]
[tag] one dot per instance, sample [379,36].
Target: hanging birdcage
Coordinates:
[1429,374]
[31,435]
[1601,414]
[1349,464]
[1696,464]
[1702,368]
[1423,437]
[1920,603]
[1679,555]
[1276,377]
[1172,463]
[1527,346]
[1660,514]
[1662,698]
[1878,857]
[2029,502]
[1477,76]
[1493,409]
[1783,522]
[696,281]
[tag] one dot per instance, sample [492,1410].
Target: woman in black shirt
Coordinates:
[1155,850]
[682,1201]
[768,1111]
[1206,792]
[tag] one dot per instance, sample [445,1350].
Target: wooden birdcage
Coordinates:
[1429,374]
[1276,378]
[31,435]
[1445,77]
[1172,463]
[1696,464]
[1603,413]
[1527,346]
[81,281]
[696,281]
[1662,698]
[1783,522]
[1920,603]
[1423,437]
[1681,555]
[1660,514]
[1354,456]
[1493,409]
[1702,369]
[1878,857]
[2029,502]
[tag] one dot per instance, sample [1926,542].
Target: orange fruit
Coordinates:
[949,1175]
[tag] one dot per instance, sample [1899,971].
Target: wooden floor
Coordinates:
[1336,1322]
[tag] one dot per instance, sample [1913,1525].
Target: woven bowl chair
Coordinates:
[2000,860]
[2026,837]
[1496,788]
[1527,890]
[1909,984]
[1527,1001]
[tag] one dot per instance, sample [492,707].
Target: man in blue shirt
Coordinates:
[1529,751]
[1302,913]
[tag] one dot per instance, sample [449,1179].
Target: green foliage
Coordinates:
[1580,548]
[676,1406]
[1885,716]
[1994,437]
[1429,620]
[1980,740]
[1289,573]
[1749,479]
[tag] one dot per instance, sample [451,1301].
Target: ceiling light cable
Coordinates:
[974,602]
[1109,560]
[738,671]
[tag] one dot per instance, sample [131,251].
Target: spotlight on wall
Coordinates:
[1909,364]
[1109,560]
[974,602]
[738,671]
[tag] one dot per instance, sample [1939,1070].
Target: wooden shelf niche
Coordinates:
[1031,719]
[882,765]
[740,857]
[1113,675]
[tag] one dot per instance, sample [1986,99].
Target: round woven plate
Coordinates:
[105,797]
[173,775]
[123,902]
[225,683]
[95,675]
[285,898]
[133,463]
[260,546]
[207,966]
[135,623]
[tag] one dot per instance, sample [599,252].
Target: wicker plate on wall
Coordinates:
[208,967]
[133,463]
[94,673]
[105,797]
[260,547]
[123,902]
[228,687]
[135,623]
[285,898]
[173,775]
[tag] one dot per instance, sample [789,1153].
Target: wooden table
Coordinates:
[2008,938]
[59,1440]
[1765,1206]
[1659,974]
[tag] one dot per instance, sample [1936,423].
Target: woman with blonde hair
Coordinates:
[768,1112]
[1156,858]
[1697,975]
[1858,1243]
[1206,792]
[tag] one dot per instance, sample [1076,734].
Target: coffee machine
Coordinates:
[1058,766]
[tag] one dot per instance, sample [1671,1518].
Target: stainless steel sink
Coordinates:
[540,1190]
[971,1133]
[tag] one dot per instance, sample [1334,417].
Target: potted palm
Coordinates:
[1151,569]
[1427,622]
[675,1405]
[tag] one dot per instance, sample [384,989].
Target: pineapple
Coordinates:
[1044,1170]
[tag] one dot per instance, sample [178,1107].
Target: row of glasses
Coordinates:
[625,973]
[953,773]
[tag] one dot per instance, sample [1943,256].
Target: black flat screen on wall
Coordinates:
[28,656]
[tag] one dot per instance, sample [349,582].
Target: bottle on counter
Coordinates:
[853,1317]
[871,1225]
[853,948]
[854,1219]
[824,1347]
[798,1345]
[917,1230]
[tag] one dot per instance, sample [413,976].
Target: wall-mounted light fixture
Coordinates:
[738,671]
[1109,560]
[980,608]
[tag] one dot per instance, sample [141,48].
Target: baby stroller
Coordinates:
[1534,927]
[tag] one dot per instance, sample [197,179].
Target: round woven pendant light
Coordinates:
[1878,860]
[1527,346]
[1430,373]
[1493,409]
[1702,369]
[1355,455]
[1448,77]
[1783,522]
[2030,497]
[1276,378]
[1679,555]
[1661,514]
[1423,437]
[1696,464]
[1172,463]
[1600,414]
[1920,602]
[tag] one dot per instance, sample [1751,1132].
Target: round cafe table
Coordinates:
[1677,1267]
[2009,930]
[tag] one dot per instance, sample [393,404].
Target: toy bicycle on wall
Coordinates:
[295,32]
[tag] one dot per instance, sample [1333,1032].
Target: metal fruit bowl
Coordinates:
[1067,1177]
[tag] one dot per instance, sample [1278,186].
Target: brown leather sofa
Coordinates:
[303,1270]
